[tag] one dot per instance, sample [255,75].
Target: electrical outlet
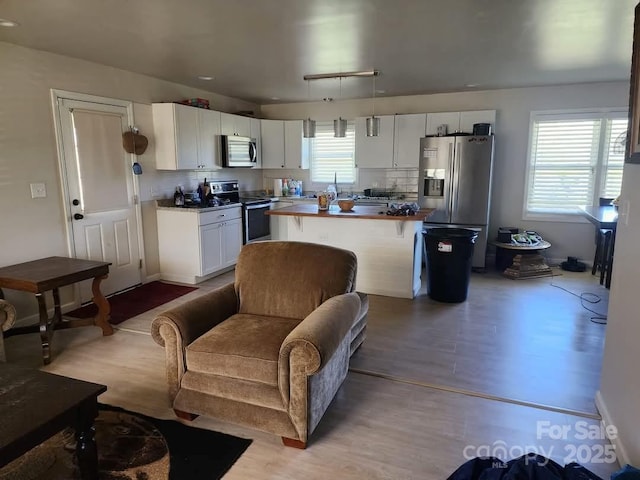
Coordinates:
[38,190]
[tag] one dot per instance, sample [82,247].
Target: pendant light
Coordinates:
[340,125]
[308,125]
[372,122]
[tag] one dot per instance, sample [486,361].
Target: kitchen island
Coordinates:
[388,248]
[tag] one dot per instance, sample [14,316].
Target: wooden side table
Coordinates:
[40,276]
[522,261]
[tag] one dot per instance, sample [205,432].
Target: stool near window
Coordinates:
[603,257]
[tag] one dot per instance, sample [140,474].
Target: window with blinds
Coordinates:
[574,158]
[333,157]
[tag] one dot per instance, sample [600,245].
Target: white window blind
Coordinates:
[574,158]
[333,157]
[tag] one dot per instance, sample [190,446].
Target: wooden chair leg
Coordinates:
[596,257]
[290,442]
[185,415]
[604,257]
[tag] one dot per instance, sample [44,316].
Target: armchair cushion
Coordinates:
[243,346]
[291,279]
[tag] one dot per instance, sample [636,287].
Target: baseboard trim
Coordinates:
[34,319]
[621,451]
[471,393]
[152,278]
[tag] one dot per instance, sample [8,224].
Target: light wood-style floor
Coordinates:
[505,341]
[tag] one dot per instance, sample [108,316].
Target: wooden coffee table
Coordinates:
[36,405]
[40,276]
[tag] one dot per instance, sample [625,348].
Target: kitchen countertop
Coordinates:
[359,211]
[173,208]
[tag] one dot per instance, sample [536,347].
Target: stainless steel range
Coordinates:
[256,224]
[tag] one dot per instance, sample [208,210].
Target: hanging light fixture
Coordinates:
[372,122]
[308,125]
[340,125]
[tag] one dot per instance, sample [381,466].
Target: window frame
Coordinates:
[318,184]
[599,176]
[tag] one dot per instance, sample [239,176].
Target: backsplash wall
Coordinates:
[402,181]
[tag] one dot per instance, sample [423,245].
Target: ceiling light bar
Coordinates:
[362,73]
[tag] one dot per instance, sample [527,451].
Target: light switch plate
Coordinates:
[38,190]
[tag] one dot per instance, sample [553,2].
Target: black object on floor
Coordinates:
[526,467]
[573,265]
[195,453]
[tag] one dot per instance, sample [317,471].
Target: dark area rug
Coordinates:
[132,446]
[135,301]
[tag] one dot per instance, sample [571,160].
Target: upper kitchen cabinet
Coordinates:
[295,147]
[283,145]
[409,129]
[467,119]
[185,137]
[235,125]
[375,152]
[450,119]
[209,139]
[459,121]
[272,132]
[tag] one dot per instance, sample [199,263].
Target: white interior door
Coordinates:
[100,190]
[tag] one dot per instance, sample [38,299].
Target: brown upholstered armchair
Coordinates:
[7,318]
[270,350]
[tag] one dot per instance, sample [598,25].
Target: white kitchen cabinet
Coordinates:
[294,155]
[283,145]
[231,241]
[450,119]
[185,137]
[375,152]
[235,125]
[195,245]
[467,119]
[409,129]
[208,139]
[272,143]
[211,248]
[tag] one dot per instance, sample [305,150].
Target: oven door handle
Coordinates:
[265,206]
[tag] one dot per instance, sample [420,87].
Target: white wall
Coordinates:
[619,396]
[34,228]
[513,108]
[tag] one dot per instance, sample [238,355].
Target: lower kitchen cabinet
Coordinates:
[195,245]
[221,243]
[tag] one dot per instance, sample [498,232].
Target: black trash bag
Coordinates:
[526,467]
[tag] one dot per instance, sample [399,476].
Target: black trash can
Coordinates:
[449,256]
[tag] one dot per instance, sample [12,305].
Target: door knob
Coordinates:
[78,216]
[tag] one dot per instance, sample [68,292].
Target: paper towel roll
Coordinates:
[277,187]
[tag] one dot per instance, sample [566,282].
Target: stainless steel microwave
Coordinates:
[238,151]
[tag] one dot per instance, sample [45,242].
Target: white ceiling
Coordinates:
[259,50]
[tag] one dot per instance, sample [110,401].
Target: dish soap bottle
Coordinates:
[285,188]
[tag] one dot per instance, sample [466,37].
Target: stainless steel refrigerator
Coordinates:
[455,179]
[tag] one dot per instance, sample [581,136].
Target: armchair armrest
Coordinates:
[312,343]
[194,318]
[178,327]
